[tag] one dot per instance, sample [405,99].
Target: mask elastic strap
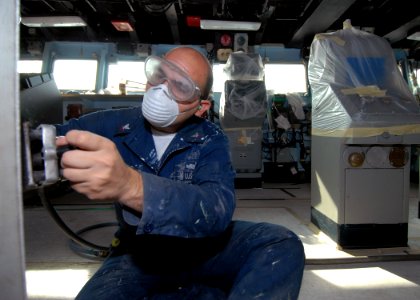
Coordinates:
[188,110]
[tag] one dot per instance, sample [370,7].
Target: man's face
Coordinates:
[182,78]
[181,86]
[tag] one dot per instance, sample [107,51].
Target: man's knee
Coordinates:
[274,233]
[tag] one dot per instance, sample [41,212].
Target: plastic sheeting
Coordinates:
[357,89]
[244,100]
[244,66]
[247,98]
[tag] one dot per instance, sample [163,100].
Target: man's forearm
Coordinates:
[132,195]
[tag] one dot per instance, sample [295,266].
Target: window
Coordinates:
[29,66]
[219,78]
[131,73]
[75,75]
[285,78]
[279,78]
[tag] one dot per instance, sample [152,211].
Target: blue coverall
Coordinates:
[184,245]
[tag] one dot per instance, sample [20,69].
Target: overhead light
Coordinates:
[229,25]
[414,36]
[122,25]
[53,21]
[414,33]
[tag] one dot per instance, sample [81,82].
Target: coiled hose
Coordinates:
[77,243]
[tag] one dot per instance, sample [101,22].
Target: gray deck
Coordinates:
[54,271]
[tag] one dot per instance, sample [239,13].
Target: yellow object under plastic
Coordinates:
[368,132]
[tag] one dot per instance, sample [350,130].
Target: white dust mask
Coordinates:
[158,107]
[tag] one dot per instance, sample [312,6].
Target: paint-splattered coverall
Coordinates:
[184,245]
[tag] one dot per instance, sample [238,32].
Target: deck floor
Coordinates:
[55,271]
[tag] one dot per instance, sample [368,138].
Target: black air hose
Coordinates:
[84,247]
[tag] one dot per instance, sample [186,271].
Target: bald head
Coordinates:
[196,65]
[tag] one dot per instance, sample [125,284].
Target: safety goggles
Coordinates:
[180,85]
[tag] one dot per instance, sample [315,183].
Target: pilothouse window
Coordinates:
[219,77]
[29,66]
[75,75]
[285,78]
[129,73]
[279,78]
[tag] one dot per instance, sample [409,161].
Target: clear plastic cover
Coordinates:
[247,99]
[244,66]
[243,102]
[356,85]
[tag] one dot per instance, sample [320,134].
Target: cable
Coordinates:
[85,246]
[87,252]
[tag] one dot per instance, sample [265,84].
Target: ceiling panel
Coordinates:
[290,22]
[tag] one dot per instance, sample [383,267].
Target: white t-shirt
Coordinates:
[162,141]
